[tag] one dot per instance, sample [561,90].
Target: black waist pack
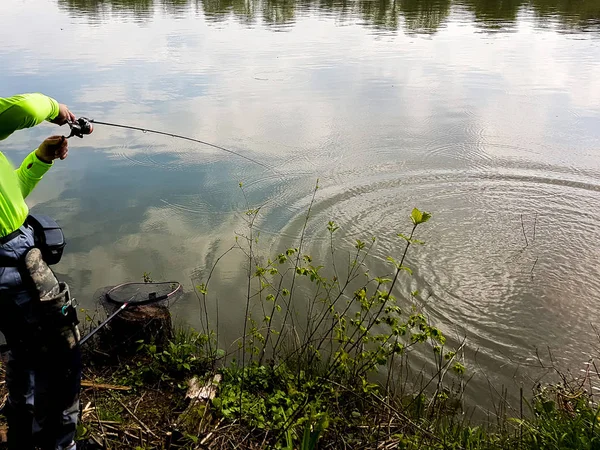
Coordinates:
[49,237]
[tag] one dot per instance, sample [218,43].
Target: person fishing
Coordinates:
[39,323]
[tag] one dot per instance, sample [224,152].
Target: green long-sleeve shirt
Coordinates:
[16,113]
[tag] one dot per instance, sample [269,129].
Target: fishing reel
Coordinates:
[80,127]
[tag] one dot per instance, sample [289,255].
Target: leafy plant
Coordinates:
[354,328]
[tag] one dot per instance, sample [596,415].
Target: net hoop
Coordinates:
[145,294]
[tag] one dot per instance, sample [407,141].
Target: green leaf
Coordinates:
[403,236]
[419,217]
[458,368]
[202,288]
[449,355]
[394,262]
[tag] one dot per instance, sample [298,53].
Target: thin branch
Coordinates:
[524,234]
[533,267]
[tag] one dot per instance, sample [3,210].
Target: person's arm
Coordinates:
[38,162]
[29,110]
[30,173]
[25,111]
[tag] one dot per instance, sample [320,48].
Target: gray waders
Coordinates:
[43,373]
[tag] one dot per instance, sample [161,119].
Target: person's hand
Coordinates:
[64,115]
[52,148]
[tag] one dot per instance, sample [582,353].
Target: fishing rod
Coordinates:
[103,324]
[84,126]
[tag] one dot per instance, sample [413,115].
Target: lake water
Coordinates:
[484,113]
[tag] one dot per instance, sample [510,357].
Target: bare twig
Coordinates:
[136,418]
[139,401]
[95,439]
[100,424]
[533,267]
[524,234]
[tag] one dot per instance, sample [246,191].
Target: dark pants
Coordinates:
[43,374]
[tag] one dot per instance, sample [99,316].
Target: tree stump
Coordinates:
[150,324]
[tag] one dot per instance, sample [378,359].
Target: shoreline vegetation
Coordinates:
[322,362]
[412,16]
[176,399]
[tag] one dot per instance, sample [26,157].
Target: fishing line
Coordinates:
[82,126]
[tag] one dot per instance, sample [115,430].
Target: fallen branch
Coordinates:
[112,387]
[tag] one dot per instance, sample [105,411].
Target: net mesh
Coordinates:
[145,293]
